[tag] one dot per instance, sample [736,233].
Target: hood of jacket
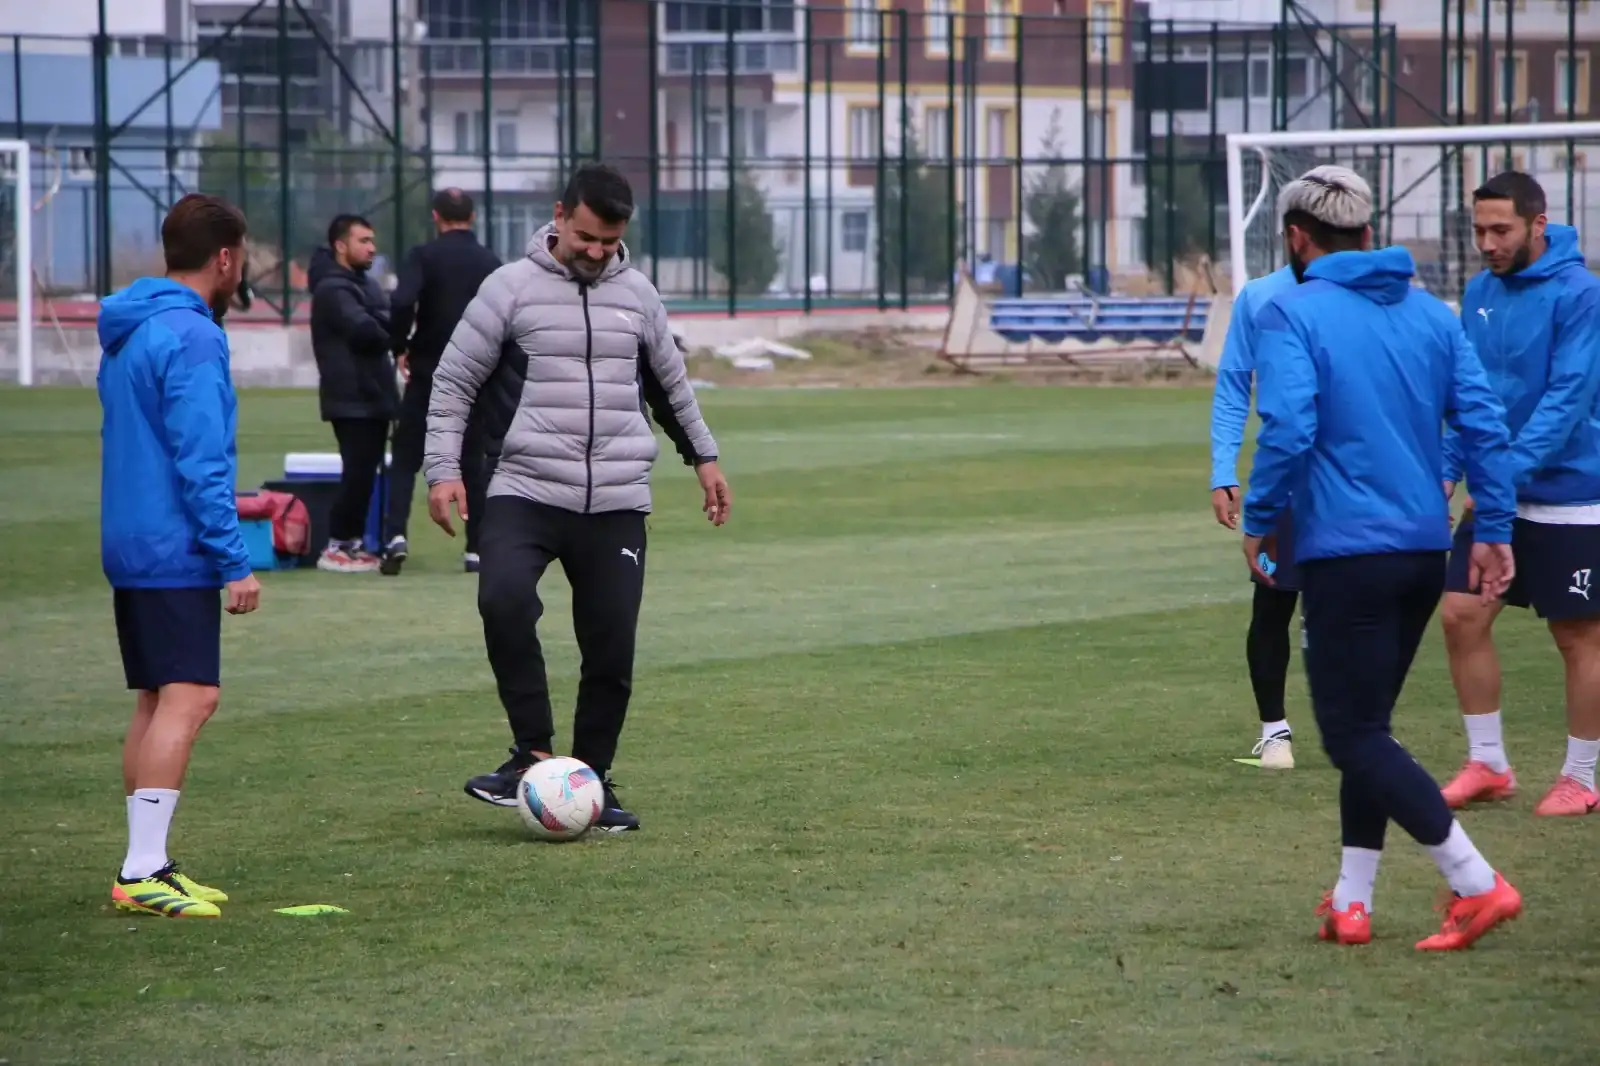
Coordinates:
[1561,252]
[539,251]
[324,266]
[123,312]
[1382,276]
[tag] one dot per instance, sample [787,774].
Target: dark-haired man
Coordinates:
[356,386]
[169,527]
[560,347]
[1534,316]
[437,281]
[1359,372]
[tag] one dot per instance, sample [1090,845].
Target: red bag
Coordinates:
[291,522]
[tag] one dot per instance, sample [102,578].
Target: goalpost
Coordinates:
[16,183]
[1422,180]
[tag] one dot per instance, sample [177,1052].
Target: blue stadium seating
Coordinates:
[1086,319]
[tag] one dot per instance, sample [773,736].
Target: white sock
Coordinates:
[1467,871]
[1484,741]
[149,817]
[1358,873]
[1581,758]
[1272,729]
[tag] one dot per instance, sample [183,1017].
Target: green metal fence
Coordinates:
[782,155]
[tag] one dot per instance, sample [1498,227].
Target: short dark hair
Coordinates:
[1525,194]
[602,189]
[341,226]
[197,228]
[1328,238]
[452,205]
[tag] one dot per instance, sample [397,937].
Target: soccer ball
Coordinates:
[560,798]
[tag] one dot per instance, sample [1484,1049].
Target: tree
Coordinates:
[925,251]
[748,257]
[1182,209]
[1052,207]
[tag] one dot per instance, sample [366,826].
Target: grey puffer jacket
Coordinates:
[561,370]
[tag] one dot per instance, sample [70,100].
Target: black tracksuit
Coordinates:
[356,387]
[437,281]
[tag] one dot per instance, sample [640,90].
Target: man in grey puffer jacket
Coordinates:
[562,350]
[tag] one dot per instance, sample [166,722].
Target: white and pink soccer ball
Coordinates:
[560,798]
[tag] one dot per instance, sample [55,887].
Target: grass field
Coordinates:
[932,745]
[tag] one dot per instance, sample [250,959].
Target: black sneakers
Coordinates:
[614,819]
[500,786]
[394,556]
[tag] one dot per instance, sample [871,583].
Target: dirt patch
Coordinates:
[880,358]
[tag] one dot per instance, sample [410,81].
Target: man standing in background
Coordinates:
[169,527]
[437,282]
[356,386]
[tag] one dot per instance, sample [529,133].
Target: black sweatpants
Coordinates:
[1266,648]
[361,447]
[603,556]
[1364,617]
[410,435]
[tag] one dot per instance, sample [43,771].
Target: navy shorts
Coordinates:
[169,636]
[1278,556]
[1553,568]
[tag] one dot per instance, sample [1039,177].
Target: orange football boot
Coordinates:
[1466,918]
[1351,926]
[1567,797]
[1477,783]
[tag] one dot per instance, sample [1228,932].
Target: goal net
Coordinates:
[1422,180]
[16,262]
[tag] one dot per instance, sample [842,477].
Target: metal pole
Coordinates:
[732,216]
[16,82]
[827,139]
[1016,93]
[102,153]
[652,74]
[569,82]
[394,125]
[882,168]
[1572,107]
[24,167]
[170,153]
[1172,166]
[1083,143]
[1211,154]
[486,92]
[806,207]
[905,177]
[597,149]
[952,238]
[285,178]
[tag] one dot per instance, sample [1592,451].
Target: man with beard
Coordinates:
[565,347]
[1359,373]
[1534,317]
[169,527]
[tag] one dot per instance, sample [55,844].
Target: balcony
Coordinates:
[538,57]
[706,54]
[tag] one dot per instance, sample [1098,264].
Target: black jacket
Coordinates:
[437,282]
[350,338]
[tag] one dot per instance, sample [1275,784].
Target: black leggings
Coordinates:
[361,445]
[1266,649]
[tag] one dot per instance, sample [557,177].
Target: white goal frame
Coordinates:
[1240,214]
[22,178]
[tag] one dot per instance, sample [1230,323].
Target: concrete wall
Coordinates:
[275,356]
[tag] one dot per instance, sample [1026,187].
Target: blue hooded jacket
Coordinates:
[168,514]
[1236,372]
[1359,373]
[1537,333]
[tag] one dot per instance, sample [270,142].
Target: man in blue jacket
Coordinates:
[1534,317]
[169,526]
[1266,648]
[1359,372]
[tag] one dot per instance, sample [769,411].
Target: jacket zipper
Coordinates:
[588,367]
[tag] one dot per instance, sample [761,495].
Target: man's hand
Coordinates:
[440,497]
[719,498]
[1449,490]
[402,363]
[1491,570]
[244,595]
[1253,547]
[1225,506]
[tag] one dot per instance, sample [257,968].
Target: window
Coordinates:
[713,135]
[1096,148]
[997,142]
[80,163]
[505,133]
[998,230]
[1572,84]
[999,27]
[468,131]
[937,27]
[508,20]
[1511,76]
[853,227]
[1230,79]
[863,133]
[749,133]
[1102,17]
[936,133]
[865,28]
[743,16]
[1463,80]
[1260,79]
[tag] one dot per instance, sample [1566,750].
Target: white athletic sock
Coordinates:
[1484,741]
[1358,873]
[149,817]
[1467,871]
[1272,729]
[1581,758]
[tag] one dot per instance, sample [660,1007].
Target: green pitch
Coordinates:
[933,746]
